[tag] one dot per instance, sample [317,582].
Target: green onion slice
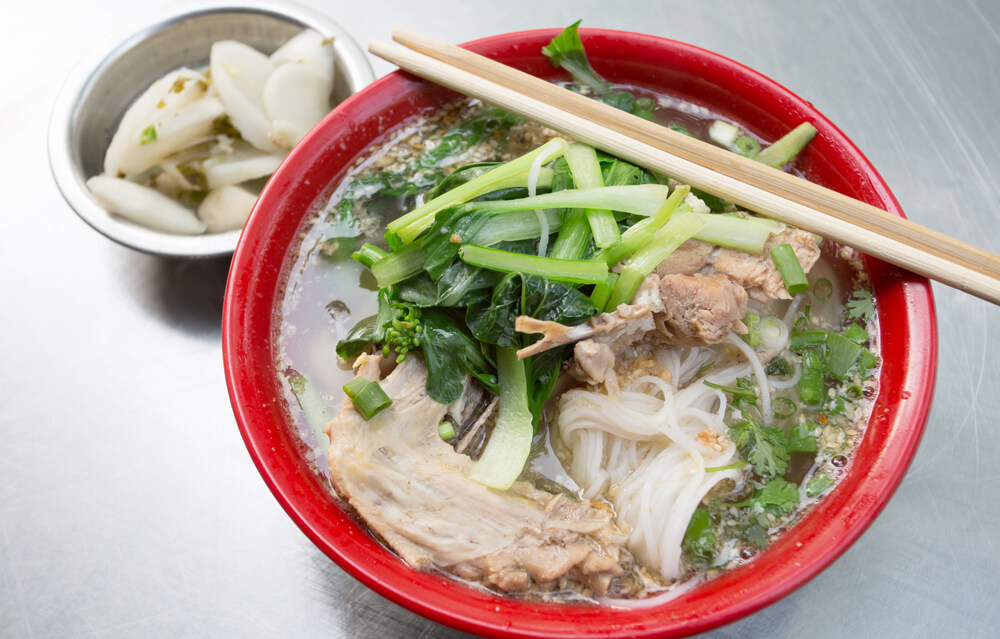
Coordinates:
[791,271]
[367,396]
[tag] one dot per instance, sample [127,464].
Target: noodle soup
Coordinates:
[684,458]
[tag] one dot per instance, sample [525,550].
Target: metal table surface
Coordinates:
[129,506]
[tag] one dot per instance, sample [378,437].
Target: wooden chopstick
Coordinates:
[749,184]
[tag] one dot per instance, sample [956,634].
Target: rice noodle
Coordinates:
[758,372]
[793,308]
[647,449]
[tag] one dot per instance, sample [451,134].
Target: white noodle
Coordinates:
[793,308]
[758,372]
[652,444]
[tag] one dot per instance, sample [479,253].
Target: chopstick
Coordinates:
[751,185]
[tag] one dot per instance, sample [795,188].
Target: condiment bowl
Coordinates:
[908,343]
[111,77]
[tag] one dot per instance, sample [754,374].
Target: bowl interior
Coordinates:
[250,328]
[99,97]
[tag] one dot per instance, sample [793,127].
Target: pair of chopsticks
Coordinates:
[749,184]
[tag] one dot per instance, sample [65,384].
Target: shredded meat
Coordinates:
[412,489]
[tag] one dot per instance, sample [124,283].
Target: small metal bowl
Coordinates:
[105,83]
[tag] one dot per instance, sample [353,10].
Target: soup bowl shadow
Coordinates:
[907,338]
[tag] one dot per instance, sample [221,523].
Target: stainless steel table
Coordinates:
[129,506]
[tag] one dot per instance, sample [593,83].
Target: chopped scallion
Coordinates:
[811,387]
[148,135]
[819,484]
[791,271]
[368,254]
[446,430]
[841,354]
[822,289]
[367,396]
[787,411]
[787,147]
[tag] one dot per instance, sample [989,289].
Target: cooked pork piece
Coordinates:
[687,259]
[756,273]
[701,310]
[412,489]
[687,309]
[628,324]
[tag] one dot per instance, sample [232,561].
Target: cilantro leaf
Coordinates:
[861,305]
[779,494]
[765,448]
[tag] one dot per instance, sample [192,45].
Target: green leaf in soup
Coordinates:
[449,354]
[463,284]
[538,297]
[459,177]
[452,228]
[420,291]
[543,371]
[363,335]
[566,51]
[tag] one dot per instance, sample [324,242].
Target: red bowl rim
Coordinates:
[729,598]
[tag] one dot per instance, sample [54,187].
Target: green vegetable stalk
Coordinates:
[508,447]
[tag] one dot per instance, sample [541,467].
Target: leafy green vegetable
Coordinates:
[700,539]
[861,306]
[574,271]
[517,294]
[766,448]
[778,496]
[566,51]
[449,353]
[510,443]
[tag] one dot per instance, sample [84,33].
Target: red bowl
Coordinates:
[259,271]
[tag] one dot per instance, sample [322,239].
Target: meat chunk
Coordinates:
[700,310]
[756,273]
[412,489]
[628,324]
[689,258]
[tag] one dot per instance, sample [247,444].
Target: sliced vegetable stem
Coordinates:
[787,147]
[638,199]
[411,225]
[510,443]
[642,231]
[586,170]
[368,254]
[575,271]
[398,266]
[680,228]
